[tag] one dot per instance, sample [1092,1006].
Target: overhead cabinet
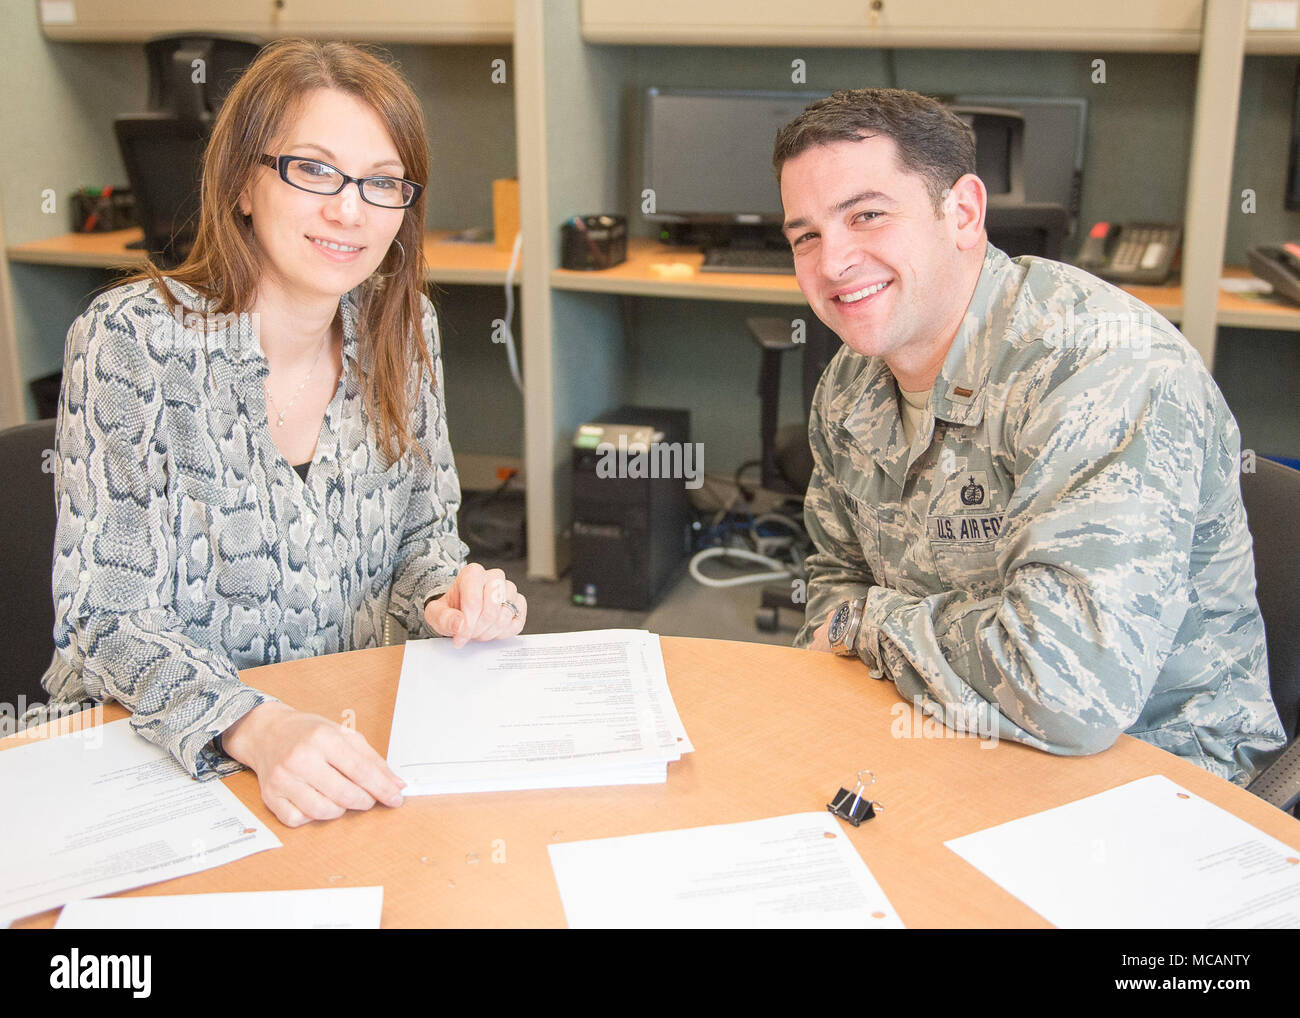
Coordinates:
[450,21]
[1147,25]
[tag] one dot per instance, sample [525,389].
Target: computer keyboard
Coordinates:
[744,259]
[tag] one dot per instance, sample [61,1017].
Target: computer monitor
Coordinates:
[708,154]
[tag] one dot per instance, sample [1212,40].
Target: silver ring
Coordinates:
[514,609]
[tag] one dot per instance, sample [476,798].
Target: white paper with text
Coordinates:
[553,710]
[1145,854]
[798,871]
[101,810]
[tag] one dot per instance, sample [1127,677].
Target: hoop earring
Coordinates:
[390,275]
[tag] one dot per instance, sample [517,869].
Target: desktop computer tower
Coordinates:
[631,508]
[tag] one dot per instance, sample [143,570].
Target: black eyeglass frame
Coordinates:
[281,165]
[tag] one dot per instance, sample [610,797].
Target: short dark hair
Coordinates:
[932,140]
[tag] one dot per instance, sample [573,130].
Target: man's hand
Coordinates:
[477,607]
[821,638]
[308,767]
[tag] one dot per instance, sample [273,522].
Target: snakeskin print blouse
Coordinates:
[187,547]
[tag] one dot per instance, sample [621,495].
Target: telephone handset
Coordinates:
[1140,253]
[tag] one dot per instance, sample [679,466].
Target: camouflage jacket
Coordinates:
[1063,545]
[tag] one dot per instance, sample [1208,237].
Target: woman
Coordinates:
[253,454]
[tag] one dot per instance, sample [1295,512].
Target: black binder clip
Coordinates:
[854,806]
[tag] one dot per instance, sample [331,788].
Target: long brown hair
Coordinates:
[224,266]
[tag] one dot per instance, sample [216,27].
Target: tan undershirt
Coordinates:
[913,408]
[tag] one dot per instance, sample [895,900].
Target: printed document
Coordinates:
[1145,854]
[101,810]
[556,710]
[798,871]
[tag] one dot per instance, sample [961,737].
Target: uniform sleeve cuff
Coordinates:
[881,601]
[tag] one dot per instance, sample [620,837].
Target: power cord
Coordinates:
[511,354]
[772,539]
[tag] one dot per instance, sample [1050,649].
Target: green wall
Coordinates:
[62,97]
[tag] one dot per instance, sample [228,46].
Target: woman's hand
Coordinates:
[478,607]
[308,767]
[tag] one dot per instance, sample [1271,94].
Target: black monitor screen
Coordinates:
[708,154]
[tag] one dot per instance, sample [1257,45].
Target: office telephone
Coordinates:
[1278,264]
[1141,253]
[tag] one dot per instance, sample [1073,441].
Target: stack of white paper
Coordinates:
[322,908]
[558,710]
[101,810]
[797,871]
[1145,854]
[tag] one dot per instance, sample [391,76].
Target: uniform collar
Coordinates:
[959,393]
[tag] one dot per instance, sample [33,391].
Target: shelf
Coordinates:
[653,269]
[450,263]
[1255,312]
[657,270]
[82,250]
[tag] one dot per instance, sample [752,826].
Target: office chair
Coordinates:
[163,155]
[27,554]
[1016,226]
[171,59]
[162,148]
[1269,495]
[785,458]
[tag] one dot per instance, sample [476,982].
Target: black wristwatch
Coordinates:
[844,627]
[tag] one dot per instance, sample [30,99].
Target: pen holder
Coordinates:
[96,210]
[593,242]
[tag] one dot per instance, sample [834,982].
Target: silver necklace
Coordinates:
[279,423]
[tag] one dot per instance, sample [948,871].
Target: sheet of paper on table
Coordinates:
[1145,854]
[798,871]
[555,710]
[101,810]
[323,908]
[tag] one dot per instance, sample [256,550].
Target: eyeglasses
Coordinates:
[322,178]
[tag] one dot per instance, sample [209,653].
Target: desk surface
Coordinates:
[657,270]
[776,731]
[448,262]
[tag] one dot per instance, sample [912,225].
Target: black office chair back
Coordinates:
[189,75]
[820,345]
[1271,494]
[162,149]
[163,155]
[27,551]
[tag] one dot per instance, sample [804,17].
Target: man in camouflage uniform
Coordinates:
[1027,475]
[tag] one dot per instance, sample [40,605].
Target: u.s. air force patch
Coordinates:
[966,528]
